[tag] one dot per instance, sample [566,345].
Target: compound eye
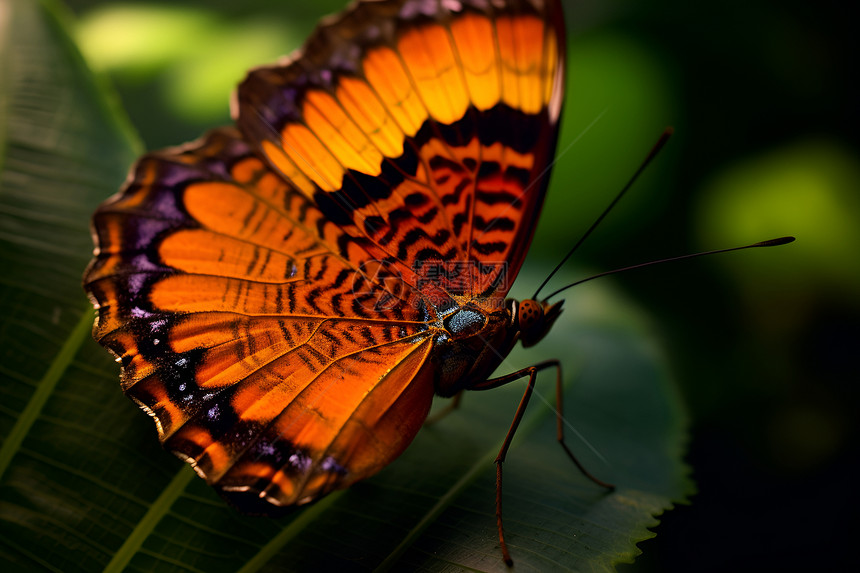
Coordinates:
[530,314]
[465,322]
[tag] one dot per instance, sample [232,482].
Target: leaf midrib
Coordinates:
[44,389]
[159,508]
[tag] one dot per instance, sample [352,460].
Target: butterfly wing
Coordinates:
[274,297]
[248,328]
[425,127]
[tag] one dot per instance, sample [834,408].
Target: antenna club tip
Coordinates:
[669,131]
[776,242]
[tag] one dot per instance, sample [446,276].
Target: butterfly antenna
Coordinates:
[770,243]
[664,137]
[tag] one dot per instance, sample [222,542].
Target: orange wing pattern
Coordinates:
[232,305]
[424,126]
[284,298]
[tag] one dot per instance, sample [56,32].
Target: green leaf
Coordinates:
[85,486]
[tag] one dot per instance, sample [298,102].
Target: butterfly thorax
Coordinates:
[476,340]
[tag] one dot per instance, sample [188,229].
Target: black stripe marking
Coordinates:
[415,235]
[311,299]
[322,270]
[488,248]
[459,220]
[428,216]
[488,169]
[496,224]
[498,197]
[285,331]
[300,352]
[416,199]
[360,305]
[291,297]
[368,335]
[335,341]
[341,277]
[347,335]
[374,224]
[429,253]
[520,175]
[255,256]
[438,162]
[454,198]
[279,301]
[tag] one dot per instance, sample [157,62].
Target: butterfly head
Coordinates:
[534,319]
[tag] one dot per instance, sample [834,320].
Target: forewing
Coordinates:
[425,127]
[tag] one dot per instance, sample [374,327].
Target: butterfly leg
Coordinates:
[531,372]
[450,407]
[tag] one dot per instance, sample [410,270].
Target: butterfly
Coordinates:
[286,296]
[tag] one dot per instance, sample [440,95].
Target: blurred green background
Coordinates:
[765,146]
